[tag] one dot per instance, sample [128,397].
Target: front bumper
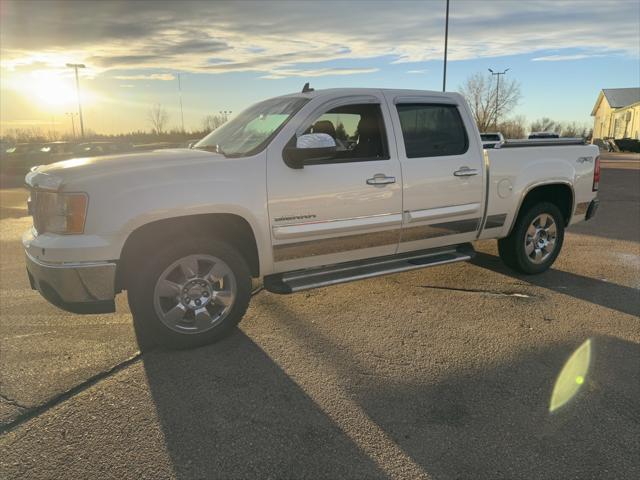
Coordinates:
[79,287]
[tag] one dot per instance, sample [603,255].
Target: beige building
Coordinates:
[617,114]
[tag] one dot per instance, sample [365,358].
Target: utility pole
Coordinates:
[446,41]
[180,94]
[76,66]
[497,93]
[73,123]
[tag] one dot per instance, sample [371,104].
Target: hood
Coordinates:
[55,175]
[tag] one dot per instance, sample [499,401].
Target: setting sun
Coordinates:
[51,89]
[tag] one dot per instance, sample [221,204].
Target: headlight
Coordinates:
[62,213]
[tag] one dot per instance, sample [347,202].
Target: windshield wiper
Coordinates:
[212,148]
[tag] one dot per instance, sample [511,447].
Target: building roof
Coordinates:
[617,97]
[621,97]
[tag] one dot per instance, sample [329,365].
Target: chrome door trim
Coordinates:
[424,232]
[412,216]
[327,246]
[340,225]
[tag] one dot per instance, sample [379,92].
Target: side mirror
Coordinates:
[310,146]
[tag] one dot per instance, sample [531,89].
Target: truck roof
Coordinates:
[365,91]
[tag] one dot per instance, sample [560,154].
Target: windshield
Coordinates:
[252,129]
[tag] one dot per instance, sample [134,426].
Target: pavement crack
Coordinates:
[64,396]
[478,290]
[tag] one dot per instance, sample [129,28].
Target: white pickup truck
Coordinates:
[301,191]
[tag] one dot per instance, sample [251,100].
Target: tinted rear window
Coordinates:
[489,138]
[432,130]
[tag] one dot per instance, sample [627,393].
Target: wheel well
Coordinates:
[230,228]
[559,194]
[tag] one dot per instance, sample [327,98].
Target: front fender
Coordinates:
[121,204]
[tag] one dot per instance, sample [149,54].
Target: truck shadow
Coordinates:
[228,411]
[496,423]
[611,295]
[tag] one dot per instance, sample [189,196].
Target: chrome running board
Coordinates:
[298,280]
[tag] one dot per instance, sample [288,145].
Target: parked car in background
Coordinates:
[534,135]
[94,149]
[272,195]
[56,151]
[18,159]
[490,140]
[24,148]
[60,147]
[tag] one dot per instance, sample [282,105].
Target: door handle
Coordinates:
[380,179]
[465,172]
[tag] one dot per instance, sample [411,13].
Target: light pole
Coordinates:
[446,41]
[497,93]
[76,66]
[180,94]
[73,124]
[225,114]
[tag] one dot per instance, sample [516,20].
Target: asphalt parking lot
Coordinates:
[441,373]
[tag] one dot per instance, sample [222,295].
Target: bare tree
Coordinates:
[211,122]
[514,128]
[481,91]
[545,124]
[26,135]
[158,118]
[574,129]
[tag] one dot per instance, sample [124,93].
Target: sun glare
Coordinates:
[51,90]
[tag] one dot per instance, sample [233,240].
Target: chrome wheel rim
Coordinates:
[194,293]
[540,239]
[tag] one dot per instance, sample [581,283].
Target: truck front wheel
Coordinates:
[535,241]
[189,293]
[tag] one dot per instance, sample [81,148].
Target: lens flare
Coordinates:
[572,376]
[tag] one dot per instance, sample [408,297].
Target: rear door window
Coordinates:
[432,130]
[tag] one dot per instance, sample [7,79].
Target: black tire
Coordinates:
[512,248]
[150,330]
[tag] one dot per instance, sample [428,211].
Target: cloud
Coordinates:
[154,76]
[319,72]
[563,58]
[277,39]
[127,86]
[418,72]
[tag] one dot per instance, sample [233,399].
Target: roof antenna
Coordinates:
[307,88]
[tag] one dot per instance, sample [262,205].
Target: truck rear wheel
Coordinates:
[535,241]
[190,293]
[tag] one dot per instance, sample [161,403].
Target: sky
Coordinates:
[229,55]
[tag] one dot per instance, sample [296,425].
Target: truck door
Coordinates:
[442,171]
[347,206]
